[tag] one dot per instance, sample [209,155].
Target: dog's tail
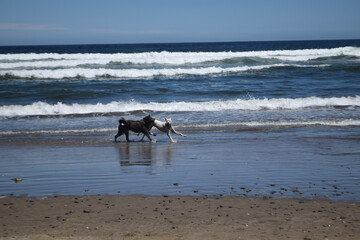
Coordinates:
[122,121]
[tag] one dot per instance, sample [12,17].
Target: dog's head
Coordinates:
[168,121]
[148,119]
[122,121]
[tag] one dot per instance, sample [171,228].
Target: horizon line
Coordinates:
[185,42]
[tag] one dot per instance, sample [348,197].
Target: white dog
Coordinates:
[166,127]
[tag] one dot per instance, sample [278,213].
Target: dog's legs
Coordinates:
[118,135]
[143,135]
[146,132]
[127,136]
[178,133]
[171,140]
[142,139]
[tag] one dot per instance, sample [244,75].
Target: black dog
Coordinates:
[142,126]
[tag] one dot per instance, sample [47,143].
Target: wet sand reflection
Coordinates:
[145,154]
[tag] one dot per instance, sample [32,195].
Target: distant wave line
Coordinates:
[165,57]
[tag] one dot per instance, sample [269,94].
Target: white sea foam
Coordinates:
[331,122]
[250,124]
[137,73]
[63,131]
[9,61]
[45,109]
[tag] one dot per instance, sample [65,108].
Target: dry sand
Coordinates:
[176,217]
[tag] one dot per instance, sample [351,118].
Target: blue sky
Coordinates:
[38,22]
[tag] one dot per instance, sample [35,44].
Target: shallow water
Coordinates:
[253,163]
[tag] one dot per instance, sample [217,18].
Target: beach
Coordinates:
[224,185]
[272,146]
[176,217]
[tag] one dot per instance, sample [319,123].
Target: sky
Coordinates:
[49,22]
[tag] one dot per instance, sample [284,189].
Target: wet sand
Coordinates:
[273,163]
[176,217]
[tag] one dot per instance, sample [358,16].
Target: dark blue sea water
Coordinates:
[239,83]
[296,90]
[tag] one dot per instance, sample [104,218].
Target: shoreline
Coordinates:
[176,217]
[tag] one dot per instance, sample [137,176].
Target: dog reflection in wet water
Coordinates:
[144,126]
[141,126]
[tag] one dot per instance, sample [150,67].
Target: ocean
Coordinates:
[214,92]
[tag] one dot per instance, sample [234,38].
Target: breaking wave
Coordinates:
[46,109]
[152,64]
[71,60]
[203,127]
[260,124]
[134,73]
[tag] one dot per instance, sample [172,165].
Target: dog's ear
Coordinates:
[122,121]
